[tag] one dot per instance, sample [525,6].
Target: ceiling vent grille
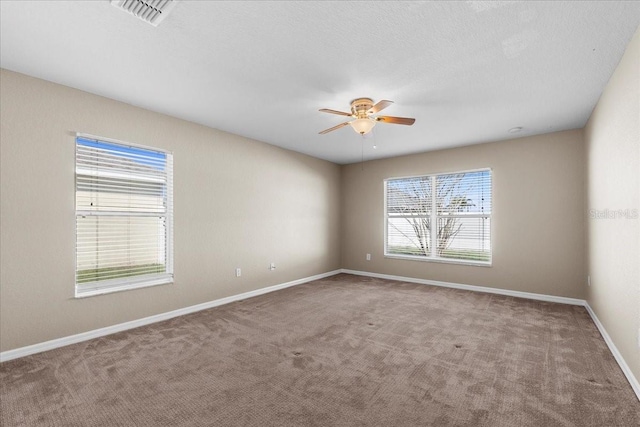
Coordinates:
[150,11]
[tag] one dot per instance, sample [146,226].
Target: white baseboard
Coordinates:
[633,381]
[635,385]
[96,333]
[528,295]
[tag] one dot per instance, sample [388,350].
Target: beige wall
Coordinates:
[612,138]
[238,203]
[537,222]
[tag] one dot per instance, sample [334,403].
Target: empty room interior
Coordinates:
[319,213]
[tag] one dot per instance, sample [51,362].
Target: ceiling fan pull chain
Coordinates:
[362,145]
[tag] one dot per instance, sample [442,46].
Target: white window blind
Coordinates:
[443,217]
[124,198]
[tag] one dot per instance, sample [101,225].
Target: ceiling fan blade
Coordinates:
[340,113]
[381,105]
[333,128]
[396,120]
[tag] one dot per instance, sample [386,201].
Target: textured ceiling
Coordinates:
[467,71]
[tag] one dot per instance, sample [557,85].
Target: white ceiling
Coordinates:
[467,71]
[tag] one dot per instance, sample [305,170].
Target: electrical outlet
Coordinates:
[272,266]
[238,272]
[368,257]
[589,280]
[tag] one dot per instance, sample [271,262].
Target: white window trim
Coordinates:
[118,285]
[434,216]
[126,284]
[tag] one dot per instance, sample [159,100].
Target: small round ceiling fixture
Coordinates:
[515,129]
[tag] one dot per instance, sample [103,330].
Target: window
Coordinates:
[443,217]
[124,198]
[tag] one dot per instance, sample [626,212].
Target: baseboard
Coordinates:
[633,381]
[527,295]
[96,333]
[635,385]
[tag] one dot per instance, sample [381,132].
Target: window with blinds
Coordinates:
[444,217]
[124,198]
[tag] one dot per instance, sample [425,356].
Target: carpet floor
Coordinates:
[342,351]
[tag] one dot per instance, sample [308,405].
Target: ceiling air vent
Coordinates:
[151,11]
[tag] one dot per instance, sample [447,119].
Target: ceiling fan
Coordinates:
[362,110]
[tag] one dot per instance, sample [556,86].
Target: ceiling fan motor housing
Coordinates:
[360,107]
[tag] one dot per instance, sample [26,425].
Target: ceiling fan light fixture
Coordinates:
[362,126]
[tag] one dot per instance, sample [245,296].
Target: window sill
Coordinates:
[84,293]
[440,260]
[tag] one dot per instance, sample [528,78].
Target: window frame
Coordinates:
[434,216]
[83,290]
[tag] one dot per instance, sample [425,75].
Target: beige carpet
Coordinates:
[344,351]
